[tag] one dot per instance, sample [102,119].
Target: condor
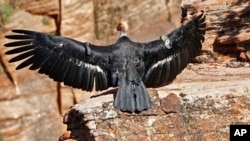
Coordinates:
[132,66]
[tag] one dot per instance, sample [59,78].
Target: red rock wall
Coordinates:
[29,102]
[228,23]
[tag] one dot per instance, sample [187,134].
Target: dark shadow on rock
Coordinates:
[232,22]
[77,126]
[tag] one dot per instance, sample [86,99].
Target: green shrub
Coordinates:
[6,11]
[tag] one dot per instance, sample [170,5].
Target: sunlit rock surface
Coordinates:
[31,103]
[200,104]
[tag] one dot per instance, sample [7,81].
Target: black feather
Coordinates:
[53,68]
[70,75]
[98,76]
[201,20]
[192,49]
[149,77]
[103,81]
[75,80]
[166,75]
[21,49]
[19,37]
[185,59]
[81,64]
[202,26]
[40,56]
[47,64]
[22,56]
[25,32]
[178,63]
[57,73]
[25,63]
[194,45]
[199,36]
[91,81]
[86,73]
[173,70]
[78,77]
[164,72]
[18,43]
[202,31]
[61,74]
[158,74]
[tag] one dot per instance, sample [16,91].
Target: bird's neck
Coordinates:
[123,33]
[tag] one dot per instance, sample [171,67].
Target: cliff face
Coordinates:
[30,103]
[205,100]
[228,25]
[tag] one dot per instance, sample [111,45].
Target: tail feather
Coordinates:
[132,96]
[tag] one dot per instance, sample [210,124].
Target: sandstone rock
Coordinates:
[39,7]
[142,17]
[106,123]
[78,19]
[30,118]
[244,56]
[28,106]
[212,98]
[207,108]
[228,24]
[82,20]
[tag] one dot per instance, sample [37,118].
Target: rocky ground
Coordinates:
[208,96]
[199,105]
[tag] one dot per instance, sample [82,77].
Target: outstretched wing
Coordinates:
[77,64]
[168,56]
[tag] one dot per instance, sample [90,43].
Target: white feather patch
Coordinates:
[93,67]
[168,59]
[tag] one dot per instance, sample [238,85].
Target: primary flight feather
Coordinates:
[131,66]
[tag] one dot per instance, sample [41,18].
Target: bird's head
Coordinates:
[122,27]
